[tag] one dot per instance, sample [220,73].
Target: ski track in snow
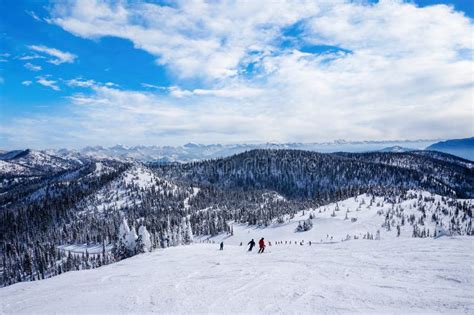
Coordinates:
[387,276]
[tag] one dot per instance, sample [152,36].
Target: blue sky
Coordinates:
[77,73]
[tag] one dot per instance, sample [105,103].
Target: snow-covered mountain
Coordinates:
[196,152]
[67,216]
[33,162]
[396,148]
[342,255]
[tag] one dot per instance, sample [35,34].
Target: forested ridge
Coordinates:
[84,200]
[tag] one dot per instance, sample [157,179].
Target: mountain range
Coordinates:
[195,152]
[50,200]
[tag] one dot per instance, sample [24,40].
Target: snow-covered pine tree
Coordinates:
[188,235]
[132,242]
[143,240]
[299,228]
[179,235]
[139,246]
[305,225]
[125,246]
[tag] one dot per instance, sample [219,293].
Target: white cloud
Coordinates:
[31,57]
[177,92]
[152,86]
[402,72]
[59,56]
[32,67]
[43,80]
[4,57]
[78,82]
[229,92]
[234,91]
[27,82]
[33,15]
[193,38]
[83,83]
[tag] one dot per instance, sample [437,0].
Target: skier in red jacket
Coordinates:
[261,244]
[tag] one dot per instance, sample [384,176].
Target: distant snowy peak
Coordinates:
[196,152]
[192,145]
[396,149]
[33,162]
[48,162]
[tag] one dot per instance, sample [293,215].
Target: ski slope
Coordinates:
[340,272]
[388,276]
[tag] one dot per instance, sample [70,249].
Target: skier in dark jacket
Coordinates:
[252,244]
[222,246]
[261,244]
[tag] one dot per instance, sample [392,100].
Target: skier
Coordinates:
[222,246]
[252,244]
[261,244]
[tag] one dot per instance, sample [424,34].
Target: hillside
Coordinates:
[79,202]
[337,266]
[416,214]
[309,175]
[459,147]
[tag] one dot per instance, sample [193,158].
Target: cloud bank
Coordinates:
[270,71]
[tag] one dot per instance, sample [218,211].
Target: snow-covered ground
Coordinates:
[351,218]
[335,274]
[388,276]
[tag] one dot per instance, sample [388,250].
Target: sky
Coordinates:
[87,72]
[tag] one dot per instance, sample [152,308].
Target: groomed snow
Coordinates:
[388,276]
[393,275]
